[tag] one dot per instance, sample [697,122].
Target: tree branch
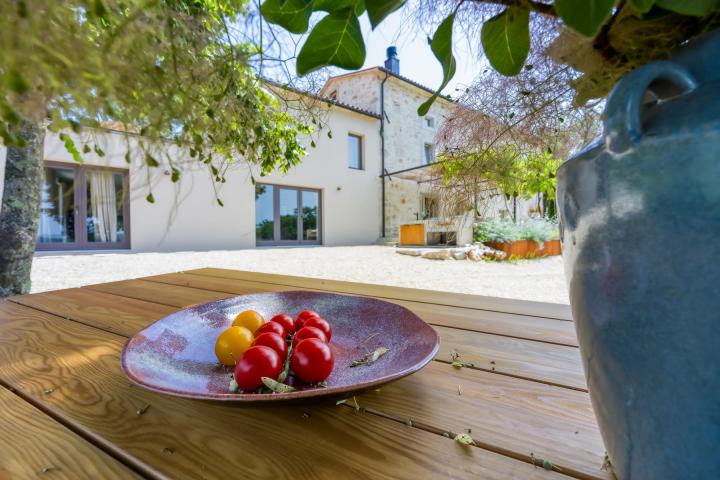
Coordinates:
[532,5]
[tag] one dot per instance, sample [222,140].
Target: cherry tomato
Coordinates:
[286,321]
[257,362]
[274,341]
[249,319]
[312,360]
[308,332]
[302,316]
[271,327]
[320,324]
[231,344]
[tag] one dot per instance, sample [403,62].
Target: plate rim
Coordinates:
[276,397]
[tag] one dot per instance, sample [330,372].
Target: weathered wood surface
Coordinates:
[189,439]
[499,323]
[33,445]
[523,399]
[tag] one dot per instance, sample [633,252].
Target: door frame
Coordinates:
[276,217]
[80,195]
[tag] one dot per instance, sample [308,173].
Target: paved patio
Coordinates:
[540,279]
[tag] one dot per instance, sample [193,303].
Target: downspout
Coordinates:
[382,147]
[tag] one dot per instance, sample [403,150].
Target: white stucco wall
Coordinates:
[185,215]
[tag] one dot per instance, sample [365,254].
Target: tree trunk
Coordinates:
[20,211]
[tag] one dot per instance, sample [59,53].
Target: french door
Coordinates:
[287,215]
[83,208]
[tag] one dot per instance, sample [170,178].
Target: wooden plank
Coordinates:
[507,305]
[513,325]
[508,415]
[552,364]
[158,293]
[33,445]
[183,438]
[536,361]
[108,312]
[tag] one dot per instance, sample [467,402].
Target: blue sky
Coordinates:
[417,61]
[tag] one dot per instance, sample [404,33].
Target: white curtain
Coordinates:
[103,205]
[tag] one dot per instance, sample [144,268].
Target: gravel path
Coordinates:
[541,279]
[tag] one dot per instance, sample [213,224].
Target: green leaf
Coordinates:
[175,176]
[441,46]
[379,9]
[697,8]
[70,147]
[336,40]
[642,6]
[292,15]
[150,198]
[506,40]
[99,151]
[17,83]
[151,161]
[584,16]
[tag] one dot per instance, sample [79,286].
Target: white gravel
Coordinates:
[540,279]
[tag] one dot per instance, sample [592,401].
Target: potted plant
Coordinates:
[529,239]
[644,303]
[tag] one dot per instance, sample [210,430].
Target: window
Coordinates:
[355,151]
[430,207]
[286,215]
[429,152]
[83,208]
[429,122]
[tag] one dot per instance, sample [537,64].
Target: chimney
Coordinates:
[392,63]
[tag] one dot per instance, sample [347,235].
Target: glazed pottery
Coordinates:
[640,221]
[176,355]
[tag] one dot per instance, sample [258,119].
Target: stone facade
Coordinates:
[406,133]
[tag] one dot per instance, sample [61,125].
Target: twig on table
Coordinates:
[368,339]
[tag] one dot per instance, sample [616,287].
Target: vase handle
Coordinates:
[622,123]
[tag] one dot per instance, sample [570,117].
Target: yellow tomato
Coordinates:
[231,344]
[249,319]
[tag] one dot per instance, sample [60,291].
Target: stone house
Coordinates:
[354,187]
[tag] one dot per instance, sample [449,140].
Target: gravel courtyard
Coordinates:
[540,279]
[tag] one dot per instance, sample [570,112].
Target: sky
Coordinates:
[417,61]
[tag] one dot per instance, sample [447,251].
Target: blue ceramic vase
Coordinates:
[640,226]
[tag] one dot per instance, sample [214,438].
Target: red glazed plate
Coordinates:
[175,355]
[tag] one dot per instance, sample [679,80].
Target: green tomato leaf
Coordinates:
[441,46]
[697,8]
[379,9]
[336,40]
[292,15]
[642,6]
[506,40]
[584,16]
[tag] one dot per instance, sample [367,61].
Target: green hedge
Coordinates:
[501,230]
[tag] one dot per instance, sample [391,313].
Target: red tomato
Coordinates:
[320,324]
[309,332]
[286,321]
[271,327]
[274,341]
[312,360]
[257,362]
[302,316]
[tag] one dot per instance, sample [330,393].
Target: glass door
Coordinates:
[57,208]
[83,208]
[286,215]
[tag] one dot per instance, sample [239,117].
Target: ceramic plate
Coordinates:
[175,355]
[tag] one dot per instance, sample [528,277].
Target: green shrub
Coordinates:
[502,230]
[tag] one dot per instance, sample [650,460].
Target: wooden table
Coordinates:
[69,412]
